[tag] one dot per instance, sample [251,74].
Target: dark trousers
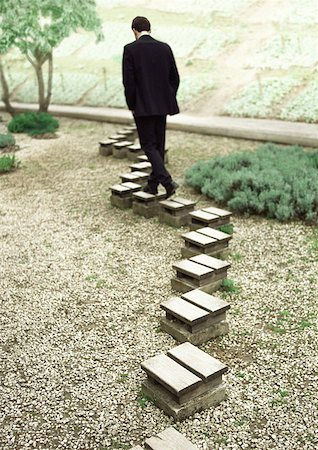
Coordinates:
[152,137]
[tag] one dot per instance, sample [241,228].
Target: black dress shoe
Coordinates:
[149,190]
[171,189]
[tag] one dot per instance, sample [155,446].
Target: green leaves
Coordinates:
[276,182]
[41,25]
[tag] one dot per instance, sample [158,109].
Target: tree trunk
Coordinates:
[5,91]
[49,82]
[41,85]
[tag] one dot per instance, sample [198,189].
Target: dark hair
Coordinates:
[140,24]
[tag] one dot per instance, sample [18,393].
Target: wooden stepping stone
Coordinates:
[169,439]
[147,205]
[117,137]
[196,317]
[133,130]
[135,177]
[120,149]
[129,134]
[121,194]
[141,166]
[106,147]
[176,212]
[143,158]
[184,381]
[209,217]
[201,271]
[206,240]
[134,151]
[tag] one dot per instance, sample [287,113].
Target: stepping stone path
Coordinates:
[209,217]
[134,151]
[200,271]
[106,147]
[195,317]
[121,196]
[169,439]
[147,205]
[206,240]
[184,381]
[176,211]
[120,149]
[143,166]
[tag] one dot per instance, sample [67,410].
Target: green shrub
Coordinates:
[33,123]
[8,163]
[6,140]
[275,182]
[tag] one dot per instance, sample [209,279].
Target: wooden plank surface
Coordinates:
[169,439]
[119,188]
[140,166]
[200,363]
[135,147]
[170,204]
[217,211]
[174,377]
[132,186]
[214,305]
[144,196]
[215,234]
[192,269]
[117,137]
[204,216]
[184,311]
[209,261]
[184,201]
[198,239]
[122,144]
[107,142]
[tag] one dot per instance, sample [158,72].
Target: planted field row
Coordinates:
[205,7]
[260,98]
[285,51]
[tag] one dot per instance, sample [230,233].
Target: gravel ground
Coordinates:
[81,283]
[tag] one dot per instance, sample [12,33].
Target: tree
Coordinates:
[36,28]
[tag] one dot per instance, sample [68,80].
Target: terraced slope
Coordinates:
[240,57]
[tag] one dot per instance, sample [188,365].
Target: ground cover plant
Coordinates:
[7,163]
[275,182]
[303,107]
[34,124]
[6,140]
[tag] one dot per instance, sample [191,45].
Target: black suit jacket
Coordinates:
[150,77]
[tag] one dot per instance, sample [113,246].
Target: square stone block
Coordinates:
[164,401]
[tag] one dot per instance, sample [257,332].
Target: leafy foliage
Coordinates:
[275,182]
[6,140]
[33,124]
[259,98]
[7,163]
[303,107]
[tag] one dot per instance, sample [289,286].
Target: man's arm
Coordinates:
[174,74]
[129,79]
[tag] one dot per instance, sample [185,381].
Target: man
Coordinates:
[151,81]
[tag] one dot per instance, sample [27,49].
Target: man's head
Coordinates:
[139,25]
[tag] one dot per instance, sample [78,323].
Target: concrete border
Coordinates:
[279,131]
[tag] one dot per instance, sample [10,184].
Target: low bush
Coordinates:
[8,163]
[273,181]
[33,123]
[6,140]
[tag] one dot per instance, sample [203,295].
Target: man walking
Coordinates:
[151,81]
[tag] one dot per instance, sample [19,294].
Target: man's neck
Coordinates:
[144,33]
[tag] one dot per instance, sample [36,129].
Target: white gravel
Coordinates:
[81,283]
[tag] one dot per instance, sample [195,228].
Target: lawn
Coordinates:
[81,283]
